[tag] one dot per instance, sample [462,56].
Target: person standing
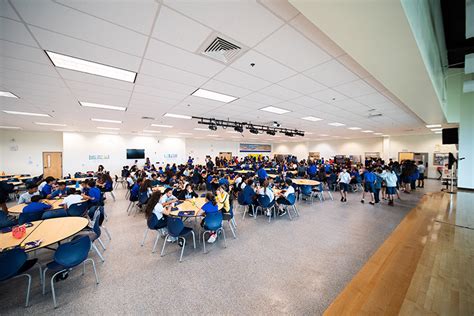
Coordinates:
[369,185]
[344,179]
[421,176]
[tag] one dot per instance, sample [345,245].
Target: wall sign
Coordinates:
[246,148]
[170,156]
[99,157]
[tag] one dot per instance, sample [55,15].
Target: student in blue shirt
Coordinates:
[94,196]
[59,192]
[369,185]
[208,208]
[47,189]
[135,190]
[249,196]
[262,174]
[312,170]
[36,206]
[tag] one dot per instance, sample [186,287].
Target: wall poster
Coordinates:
[255,148]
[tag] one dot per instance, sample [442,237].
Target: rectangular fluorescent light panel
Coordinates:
[273,109]
[438,132]
[354,128]
[77,64]
[102,106]
[367,131]
[202,93]
[212,135]
[7,94]
[10,127]
[185,117]
[433,125]
[49,124]
[184,133]
[106,121]
[377,133]
[109,128]
[27,113]
[311,118]
[201,129]
[160,125]
[336,124]
[150,131]
[436,129]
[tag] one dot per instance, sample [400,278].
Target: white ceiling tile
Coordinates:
[61,19]
[262,98]
[280,92]
[181,59]
[241,79]
[224,88]
[120,12]
[355,88]
[28,67]
[7,11]
[372,99]
[176,29]
[351,105]
[23,52]
[307,28]
[264,67]
[331,74]
[77,48]
[83,87]
[292,49]
[353,66]
[302,84]
[163,84]
[245,21]
[282,8]
[158,70]
[156,93]
[375,84]
[16,32]
[328,96]
[308,101]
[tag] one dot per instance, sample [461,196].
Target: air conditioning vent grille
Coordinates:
[222,50]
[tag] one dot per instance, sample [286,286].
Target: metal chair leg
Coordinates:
[106,232]
[98,252]
[204,241]
[156,242]
[223,234]
[232,228]
[144,237]
[93,267]
[101,243]
[182,249]
[194,239]
[164,245]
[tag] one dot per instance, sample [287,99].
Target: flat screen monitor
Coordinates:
[450,136]
[135,153]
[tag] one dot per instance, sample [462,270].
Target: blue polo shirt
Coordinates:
[262,173]
[95,194]
[134,190]
[210,208]
[248,193]
[369,177]
[58,192]
[312,170]
[46,190]
[35,207]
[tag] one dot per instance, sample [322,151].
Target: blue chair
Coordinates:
[29,217]
[290,201]
[78,209]
[153,224]
[266,205]
[94,233]
[54,214]
[68,256]
[229,217]
[177,229]
[203,195]
[133,202]
[242,203]
[213,223]
[6,221]
[14,264]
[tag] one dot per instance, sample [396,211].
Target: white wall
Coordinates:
[79,146]
[22,152]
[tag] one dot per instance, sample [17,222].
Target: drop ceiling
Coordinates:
[297,68]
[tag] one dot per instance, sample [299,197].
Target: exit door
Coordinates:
[421,157]
[53,164]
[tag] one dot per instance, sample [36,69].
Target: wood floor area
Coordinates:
[426,267]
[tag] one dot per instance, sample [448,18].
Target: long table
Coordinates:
[55,205]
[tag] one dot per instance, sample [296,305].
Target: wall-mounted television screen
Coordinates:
[135,153]
[450,136]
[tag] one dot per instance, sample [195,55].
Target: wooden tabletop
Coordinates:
[305,182]
[159,188]
[192,205]
[56,229]
[16,183]
[244,171]
[55,205]
[7,239]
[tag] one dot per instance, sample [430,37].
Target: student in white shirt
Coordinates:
[421,176]
[266,191]
[32,190]
[344,179]
[168,198]
[283,199]
[73,197]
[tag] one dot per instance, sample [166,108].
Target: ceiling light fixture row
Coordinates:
[239,127]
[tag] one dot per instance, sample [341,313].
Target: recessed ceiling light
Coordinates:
[433,125]
[102,106]
[311,118]
[49,124]
[273,109]
[185,117]
[10,127]
[436,129]
[185,133]
[323,135]
[109,128]
[202,93]
[7,94]
[201,129]
[26,113]
[367,131]
[151,131]
[438,132]
[212,135]
[354,128]
[160,125]
[106,121]
[385,135]
[110,133]
[77,64]
[336,124]
[377,133]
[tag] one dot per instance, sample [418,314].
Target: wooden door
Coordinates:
[53,164]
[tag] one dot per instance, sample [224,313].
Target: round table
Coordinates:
[192,205]
[49,231]
[305,182]
[55,205]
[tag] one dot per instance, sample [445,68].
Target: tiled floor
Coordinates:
[285,267]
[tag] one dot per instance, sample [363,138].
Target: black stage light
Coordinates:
[271,132]
[213,127]
[239,128]
[253,130]
[288,133]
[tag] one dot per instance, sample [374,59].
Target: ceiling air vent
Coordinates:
[222,50]
[148,118]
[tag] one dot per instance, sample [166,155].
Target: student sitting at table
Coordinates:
[155,207]
[223,180]
[73,197]
[265,190]
[31,190]
[59,192]
[36,206]
[283,196]
[262,174]
[187,193]
[223,198]
[94,196]
[249,195]
[210,207]
[168,197]
[47,188]
[84,188]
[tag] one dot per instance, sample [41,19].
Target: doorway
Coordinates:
[53,164]
[421,157]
